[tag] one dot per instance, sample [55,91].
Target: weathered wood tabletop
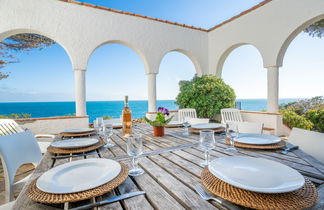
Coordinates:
[172,167]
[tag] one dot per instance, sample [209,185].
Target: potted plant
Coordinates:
[160,121]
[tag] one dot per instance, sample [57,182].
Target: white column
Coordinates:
[273,89]
[80,92]
[151,87]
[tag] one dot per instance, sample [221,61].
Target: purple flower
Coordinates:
[165,111]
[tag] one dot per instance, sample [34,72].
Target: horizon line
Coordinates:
[134,100]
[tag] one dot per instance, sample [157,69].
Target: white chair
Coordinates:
[9,126]
[231,115]
[16,150]
[310,142]
[249,127]
[193,121]
[186,113]
[7,206]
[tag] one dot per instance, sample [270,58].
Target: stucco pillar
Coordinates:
[151,88]
[273,89]
[80,92]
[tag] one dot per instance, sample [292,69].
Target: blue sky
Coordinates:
[115,70]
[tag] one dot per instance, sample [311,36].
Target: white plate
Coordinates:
[78,176]
[259,139]
[78,130]
[206,126]
[75,143]
[256,174]
[175,123]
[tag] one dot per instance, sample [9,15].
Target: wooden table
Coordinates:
[171,165]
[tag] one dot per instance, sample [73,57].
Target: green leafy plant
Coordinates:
[15,116]
[160,119]
[291,119]
[316,116]
[207,94]
[302,106]
[106,117]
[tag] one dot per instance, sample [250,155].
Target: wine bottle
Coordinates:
[127,118]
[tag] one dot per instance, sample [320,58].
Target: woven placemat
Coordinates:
[56,150]
[298,199]
[278,145]
[37,195]
[77,134]
[197,131]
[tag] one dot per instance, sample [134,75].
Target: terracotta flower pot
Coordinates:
[158,131]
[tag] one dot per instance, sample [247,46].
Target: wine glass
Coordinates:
[186,124]
[100,124]
[134,150]
[96,126]
[207,142]
[107,133]
[232,134]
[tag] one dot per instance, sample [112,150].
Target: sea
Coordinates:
[109,108]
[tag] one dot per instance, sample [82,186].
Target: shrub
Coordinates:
[302,106]
[15,116]
[106,117]
[207,94]
[316,116]
[291,119]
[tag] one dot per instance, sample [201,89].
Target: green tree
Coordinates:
[207,94]
[17,43]
[316,29]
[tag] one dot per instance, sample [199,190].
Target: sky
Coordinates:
[115,70]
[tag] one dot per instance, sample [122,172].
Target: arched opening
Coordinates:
[175,66]
[302,73]
[243,71]
[114,71]
[38,76]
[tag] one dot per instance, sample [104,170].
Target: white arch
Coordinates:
[7,34]
[190,55]
[131,46]
[292,36]
[227,52]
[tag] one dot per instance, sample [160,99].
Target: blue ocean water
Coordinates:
[108,108]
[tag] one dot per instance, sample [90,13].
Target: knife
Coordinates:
[110,200]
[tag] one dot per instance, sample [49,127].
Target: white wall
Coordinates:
[53,125]
[270,28]
[80,30]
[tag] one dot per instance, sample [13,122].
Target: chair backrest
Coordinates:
[189,113]
[8,126]
[310,142]
[250,127]
[231,115]
[193,121]
[17,149]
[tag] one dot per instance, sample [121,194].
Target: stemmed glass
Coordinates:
[186,124]
[207,143]
[231,134]
[98,125]
[134,150]
[107,133]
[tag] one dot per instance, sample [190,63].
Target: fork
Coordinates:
[204,195]
[289,149]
